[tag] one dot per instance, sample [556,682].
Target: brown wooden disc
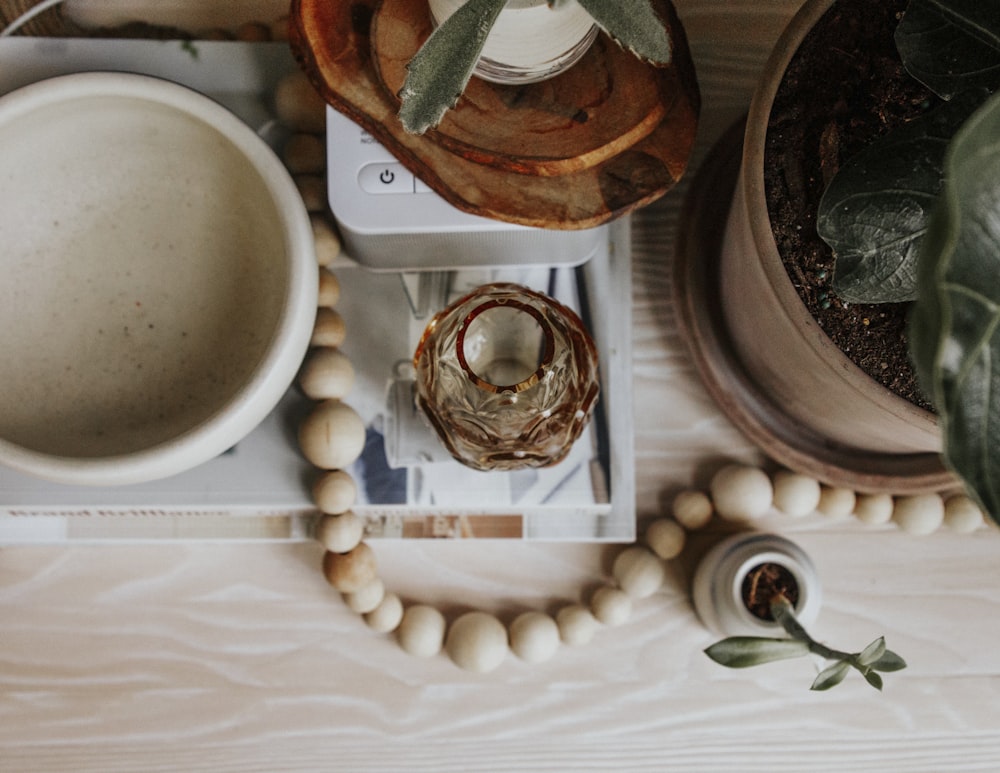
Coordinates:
[591,112]
[487,159]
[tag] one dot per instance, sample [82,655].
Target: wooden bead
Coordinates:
[279,29]
[340,533]
[741,492]
[312,190]
[692,509]
[476,642]
[611,606]
[298,105]
[836,502]
[962,515]
[329,288]
[919,514]
[421,632]
[577,625]
[334,492]
[534,637]
[350,572]
[638,572]
[874,509]
[326,374]
[386,617]
[666,538]
[304,154]
[332,435]
[795,494]
[325,239]
[253,32]
[329,329]
[367,598]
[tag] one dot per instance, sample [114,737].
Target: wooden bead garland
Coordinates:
[332,438]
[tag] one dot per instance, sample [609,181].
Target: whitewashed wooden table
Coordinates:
[240,657]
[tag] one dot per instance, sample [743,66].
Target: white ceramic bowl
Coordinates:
[158,285]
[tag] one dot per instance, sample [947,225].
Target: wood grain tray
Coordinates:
[609,135]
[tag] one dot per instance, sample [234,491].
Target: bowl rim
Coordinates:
[289,342]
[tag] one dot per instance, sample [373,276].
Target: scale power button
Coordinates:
[385,177]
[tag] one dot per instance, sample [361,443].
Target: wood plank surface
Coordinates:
[239,657]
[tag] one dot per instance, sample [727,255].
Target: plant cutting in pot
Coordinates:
[913,218]
[745,651]
[751,586]
[439,72]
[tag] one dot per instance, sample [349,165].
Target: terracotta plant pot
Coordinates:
[796,362]
[718,587]
[764,357]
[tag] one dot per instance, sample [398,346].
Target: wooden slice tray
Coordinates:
[697,300]
[609,135]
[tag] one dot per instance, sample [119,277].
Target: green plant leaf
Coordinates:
[889,661]
[746,651]
[875,210]
[831,676]
[634,25]
[951,46]
[872,652]
[872,678]
[955,326]
[439,72]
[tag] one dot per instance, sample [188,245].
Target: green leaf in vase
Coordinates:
[955,326]
[634,25]
[951,46]
[439,72]
[875,210]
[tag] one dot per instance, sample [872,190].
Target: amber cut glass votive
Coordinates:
[508,377]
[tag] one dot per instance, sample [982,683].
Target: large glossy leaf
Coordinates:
[951,46]
[438,73]
[746,651]
[634,25]
[955,330]
[875,210]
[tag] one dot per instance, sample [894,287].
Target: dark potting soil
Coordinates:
[845,86]
[764,583]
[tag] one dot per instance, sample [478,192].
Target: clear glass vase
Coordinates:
[529,41]
[508,378]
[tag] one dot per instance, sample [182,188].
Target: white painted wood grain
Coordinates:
[240,658]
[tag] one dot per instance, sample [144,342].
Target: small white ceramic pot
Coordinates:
[717,588]
[160,279]
[529,41]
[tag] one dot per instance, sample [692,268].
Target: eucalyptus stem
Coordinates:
[743,651]
[784,613]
